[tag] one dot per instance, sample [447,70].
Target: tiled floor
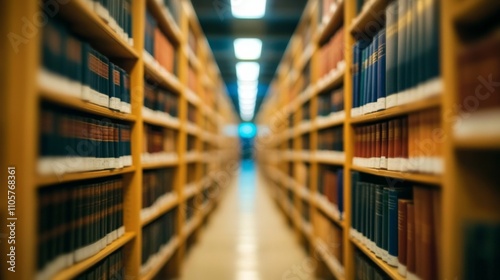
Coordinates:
[247,238]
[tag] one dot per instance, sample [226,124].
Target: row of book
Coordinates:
[331,188]
[159,50]
[158,140]
[478,75]
[155,238]
[160,103]
[157,188]
[112,267]
[331,139]
[117,14]
[481,250]
[366,269]
[192,79]
[190,208]
[306,213]
[398,222]
[306,111]
[76,221]
[75,141]
[71,66]
[331,235]
[400,63]
[332,54]
[327,8]
[331,102]
[409,143]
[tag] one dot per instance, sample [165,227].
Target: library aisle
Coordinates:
[247,237]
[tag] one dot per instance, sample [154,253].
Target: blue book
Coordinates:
[340,191]
[363,78]
[373,87]
[355,74]
[385,221]
[402,48]
[379,212]
[355,200]
[391,75]
[381,67]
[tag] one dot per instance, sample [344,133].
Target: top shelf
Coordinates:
[86,23]
[371,11]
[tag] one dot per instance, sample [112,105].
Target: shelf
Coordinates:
[303,128]
[85,22]
[192,97]
[70,177]
[166,255]
[333,23]
[333,79]
[164,19]
[405,176]
[167,123]
[329,157]
[331,262]
[306,228]
[169,203]
[171,160]
[78,268]
[334,119]
[427,103]
[470,11]
[190,190]
[192,128]
[64,99]
[327,208]
[478,130]
[391,271]
[490,142]
[193,59]
[191,226]
[303,192]
[370,13]
[306,55]
[154,71]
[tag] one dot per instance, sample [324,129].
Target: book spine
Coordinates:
[381,70]
[392,54]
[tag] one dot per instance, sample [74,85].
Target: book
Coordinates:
[157,188]
[111,267]
[481,249]
[394,194]
[402,234]
[156,235]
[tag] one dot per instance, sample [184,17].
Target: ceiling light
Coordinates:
[247,101]
[248,8]
[247,71]
[248,85]
[248,48]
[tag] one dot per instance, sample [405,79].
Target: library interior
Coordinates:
[250,139]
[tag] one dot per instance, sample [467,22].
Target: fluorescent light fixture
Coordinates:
[248,8]
[247,48]
[247,101]
[247,71]
[246,118]
[248,85]
[247,107]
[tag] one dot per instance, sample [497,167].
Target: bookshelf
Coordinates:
[466,191]
[211,150]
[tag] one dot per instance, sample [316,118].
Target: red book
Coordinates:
[378,141]
[390,140]
[384,141]
[398,149]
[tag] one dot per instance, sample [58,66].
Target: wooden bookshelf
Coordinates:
[23,98]
[468,159]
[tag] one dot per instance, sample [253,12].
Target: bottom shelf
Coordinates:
[391,271]
[78,268]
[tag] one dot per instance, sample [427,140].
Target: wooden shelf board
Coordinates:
[317,157]
[470,11]
[333,23]
[85,22]
[78,268]
[405,176]
[193,59]
[370,13]
[191,226]
[165,79]
[427,103]
[391,271]
[331,82]
[477,142]
[327,211]
[164,19]
[174,123]
[155,165]
[327,122]
[76,103]
[328,259]
[190,190]
[172,246]
[70,177]
[172,202]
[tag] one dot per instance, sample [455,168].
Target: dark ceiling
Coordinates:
[274,29]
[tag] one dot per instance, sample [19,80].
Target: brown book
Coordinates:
[426,255]
[410,239]
[398,147]
[384,142]
[373,141]
[402,234]
[411,140]
[378,142]
[404,142]
[390,140]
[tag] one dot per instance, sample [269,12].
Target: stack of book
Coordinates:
[331,102]
[331,190]
[157,189]
[159,144]
[71,66]
[400,224]
[409,143]
[74,142]
[159,51]
[331,235]
[159,103]
[155,238]
[401,63]
[366,269]
[331,139]
[112,267]
[77,221]
[332,55]
[117,14]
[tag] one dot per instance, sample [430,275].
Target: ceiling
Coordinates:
[274,29]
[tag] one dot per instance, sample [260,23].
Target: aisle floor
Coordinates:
[247,238]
